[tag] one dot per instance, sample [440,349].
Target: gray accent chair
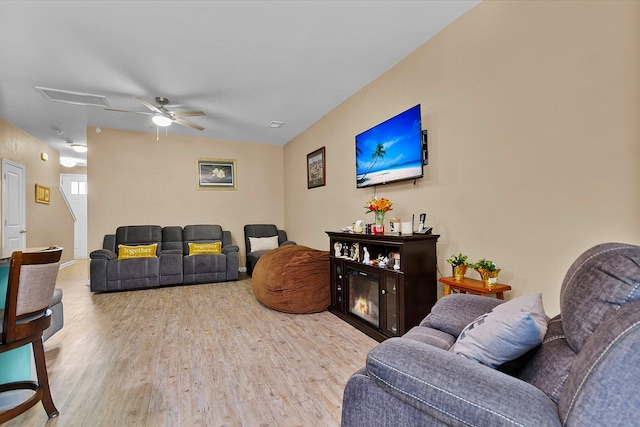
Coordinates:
[209,268]
[585,373]
[261,230]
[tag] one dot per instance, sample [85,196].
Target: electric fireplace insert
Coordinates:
[364,295]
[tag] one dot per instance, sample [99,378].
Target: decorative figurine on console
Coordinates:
[337,249]
[365,256]
[345,250]
[383,261]
[353,254]
[356,250]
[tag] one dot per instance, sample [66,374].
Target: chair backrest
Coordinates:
[204,233]
[30,287]
[172,238]
[258,230]
[133,235]
[600,289]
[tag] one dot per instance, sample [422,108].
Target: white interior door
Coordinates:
[75,190]
[14,208]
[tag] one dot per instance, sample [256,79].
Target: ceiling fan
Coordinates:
[162,115]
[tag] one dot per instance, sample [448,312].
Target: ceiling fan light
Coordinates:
[161,120]
[79,148]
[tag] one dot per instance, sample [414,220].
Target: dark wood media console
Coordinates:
[383,302]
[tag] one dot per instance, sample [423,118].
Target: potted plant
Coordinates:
[488,271]
[459,264]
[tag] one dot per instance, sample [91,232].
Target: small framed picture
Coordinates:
[43,194]
[216,174]
[316,173]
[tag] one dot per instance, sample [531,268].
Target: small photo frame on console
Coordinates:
[216,174]
[316,172]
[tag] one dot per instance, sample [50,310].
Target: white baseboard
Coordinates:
[242,269]
[68,263]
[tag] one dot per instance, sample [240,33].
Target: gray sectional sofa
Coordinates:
[173,263]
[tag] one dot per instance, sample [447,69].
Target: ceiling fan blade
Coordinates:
[149,106]
[187,113]
[187,123]
[129,111]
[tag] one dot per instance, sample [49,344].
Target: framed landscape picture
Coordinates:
[316,173]
[216,174]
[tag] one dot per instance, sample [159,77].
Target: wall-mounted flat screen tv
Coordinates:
[390,151]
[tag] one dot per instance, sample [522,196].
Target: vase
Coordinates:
[459,271]
[379,225]
[489,278]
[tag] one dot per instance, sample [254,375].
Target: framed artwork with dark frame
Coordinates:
[316,171]
[43,194]
[216,174]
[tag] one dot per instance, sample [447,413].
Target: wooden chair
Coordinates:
[32,279]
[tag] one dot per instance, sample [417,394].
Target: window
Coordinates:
[78,187]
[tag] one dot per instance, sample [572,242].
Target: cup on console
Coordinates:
[407,228]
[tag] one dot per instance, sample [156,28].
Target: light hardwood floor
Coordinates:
[207,355]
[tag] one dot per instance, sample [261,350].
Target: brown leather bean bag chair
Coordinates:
[293,279]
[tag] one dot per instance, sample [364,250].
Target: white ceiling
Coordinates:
[244,63]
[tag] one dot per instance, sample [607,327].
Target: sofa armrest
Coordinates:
[287,242]
[602,386]
[231,252]
[103,254]
[282,236]
[455,390]
[109,242]
[229,249]
[453,312]
[226,238]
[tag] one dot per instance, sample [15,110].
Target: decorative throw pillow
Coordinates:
[263,243]
[140,251]
[505,333]
[205,248]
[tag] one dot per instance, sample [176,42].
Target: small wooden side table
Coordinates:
[473,286]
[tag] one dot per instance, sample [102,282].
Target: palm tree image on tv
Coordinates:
[390,151]
[377,154]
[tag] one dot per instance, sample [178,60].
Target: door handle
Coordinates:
[23,231]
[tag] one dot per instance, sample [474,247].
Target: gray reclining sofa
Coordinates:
[585,372]
[172,265]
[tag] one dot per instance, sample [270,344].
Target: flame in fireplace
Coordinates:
[362,307]
[366,309]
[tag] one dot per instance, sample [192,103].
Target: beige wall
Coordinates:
[134,179]
[80,170]
[50,224]
[532,110]
[534,140]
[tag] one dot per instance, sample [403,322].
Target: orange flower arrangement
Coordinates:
[378,205]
